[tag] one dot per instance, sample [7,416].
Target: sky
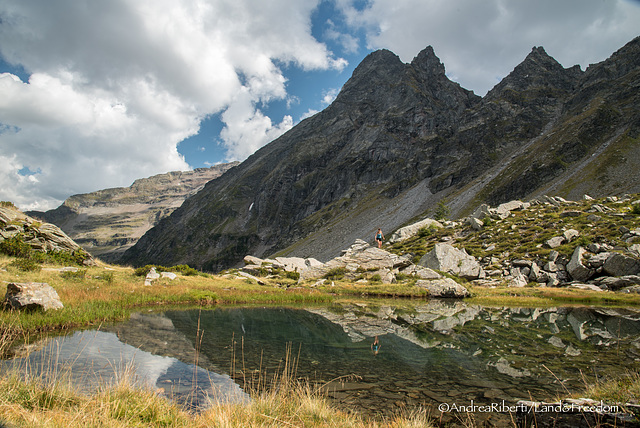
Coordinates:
[96,94]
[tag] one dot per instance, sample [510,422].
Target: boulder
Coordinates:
[251,277]
[446,258]
[421,272]
[621,265]
[251,260]
[443,287]
[616,283]
[411,230]
[169,275]
[482,211]
[151,276]
[476,224]
[362,256]
[516,278]
[291,264]
[570,234]
[504,210]
[31,295]
[576,266]
[555,242]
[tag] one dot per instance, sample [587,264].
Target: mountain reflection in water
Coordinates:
[436,352]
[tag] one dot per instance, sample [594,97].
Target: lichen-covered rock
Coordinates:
[31,296]
[576,266]
[443,287]
[620,265]
[411,230]
[445,257]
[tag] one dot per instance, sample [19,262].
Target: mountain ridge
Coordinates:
[107,222]
[398,139]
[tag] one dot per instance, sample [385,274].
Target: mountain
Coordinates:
[398,139]
[107,222]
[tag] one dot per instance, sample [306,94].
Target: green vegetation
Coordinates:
[523,234]
[442,211]
[15,246]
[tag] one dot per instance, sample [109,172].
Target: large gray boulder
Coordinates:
[31,296]
[443,287]
[444,257]
[576,266]
[621,265]
[365,257]
[411,230]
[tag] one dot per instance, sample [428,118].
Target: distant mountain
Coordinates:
[398,139]
[107,222]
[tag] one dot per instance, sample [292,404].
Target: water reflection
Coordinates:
[94,359]
[436,352]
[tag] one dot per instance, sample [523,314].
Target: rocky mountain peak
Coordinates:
[398,139]
[427,62]
[376,71]
[538,70]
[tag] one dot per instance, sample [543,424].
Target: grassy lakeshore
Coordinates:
[29,402]
[106,293]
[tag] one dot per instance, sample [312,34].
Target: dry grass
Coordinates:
[28,401]
[624,389]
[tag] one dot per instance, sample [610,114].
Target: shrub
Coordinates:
[442,211]
[335,274]
[185,270]
[635,208]
[26,265]
[16,247]
[292,275]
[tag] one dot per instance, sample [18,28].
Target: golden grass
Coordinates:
[547,296]
[624,389]
[28,401]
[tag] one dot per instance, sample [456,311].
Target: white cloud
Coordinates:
[480,42]
[115,86]
[329,96]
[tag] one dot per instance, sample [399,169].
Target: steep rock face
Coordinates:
[109,221]
[397,139]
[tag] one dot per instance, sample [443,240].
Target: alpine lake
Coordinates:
[373,357]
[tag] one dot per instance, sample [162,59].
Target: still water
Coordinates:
[372,357]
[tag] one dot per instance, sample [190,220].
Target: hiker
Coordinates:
[375,346]
[379,238]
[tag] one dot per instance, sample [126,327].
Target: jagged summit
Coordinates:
[538,70]
[398,139]
[428,62]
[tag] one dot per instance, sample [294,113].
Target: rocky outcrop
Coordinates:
[412,229]
[595,266]
[31,296]
[443,287]
[446,258]
[39,236]
[363,263]
[107,222]
[400,138]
